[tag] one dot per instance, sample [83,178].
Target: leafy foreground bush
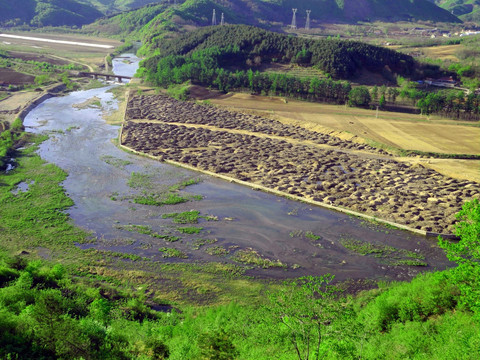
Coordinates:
[47,314]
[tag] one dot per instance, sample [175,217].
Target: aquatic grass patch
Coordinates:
[147,230]
[393,256]
[252,257]
[188,217]
[310,235]
[116,254]
[217,251]
[140,181]
[159,200]
[173,253]
[115,162]
[198,243]
[182,185]
[189,230]
[162,199]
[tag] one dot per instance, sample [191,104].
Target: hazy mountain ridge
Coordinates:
[47,13]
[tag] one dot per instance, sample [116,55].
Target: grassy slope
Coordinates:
[467,10]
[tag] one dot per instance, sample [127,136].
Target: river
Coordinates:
[307,239]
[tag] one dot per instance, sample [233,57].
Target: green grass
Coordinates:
[35,217]
[175,253]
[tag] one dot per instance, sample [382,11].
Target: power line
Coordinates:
[307,24]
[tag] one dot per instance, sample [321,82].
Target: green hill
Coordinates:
[47,13]
[467,10]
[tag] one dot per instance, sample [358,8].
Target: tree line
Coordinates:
[203,68]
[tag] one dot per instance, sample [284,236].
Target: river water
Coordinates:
[81,143]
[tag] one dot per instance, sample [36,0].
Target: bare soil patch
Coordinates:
[12,77]
[291,159]
[37,57]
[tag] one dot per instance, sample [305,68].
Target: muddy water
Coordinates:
[81,143]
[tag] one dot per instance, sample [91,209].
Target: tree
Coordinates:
[306,308]
[359,96]
[381,102]
[466,253]
[217,346]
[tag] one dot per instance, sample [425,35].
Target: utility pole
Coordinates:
[222,20]
[294,19]
[214,18]
[307,24]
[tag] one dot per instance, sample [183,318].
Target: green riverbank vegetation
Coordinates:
[58,301]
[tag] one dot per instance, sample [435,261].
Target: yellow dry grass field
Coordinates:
[445,52]
[80,54]
[398,130]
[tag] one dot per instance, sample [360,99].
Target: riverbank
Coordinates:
[293,161]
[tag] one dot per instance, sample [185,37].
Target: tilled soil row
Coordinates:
[410,195]
[164,108]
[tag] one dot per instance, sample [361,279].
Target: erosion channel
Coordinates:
[136,205]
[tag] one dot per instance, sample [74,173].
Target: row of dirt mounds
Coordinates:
[165,109]
[410,195]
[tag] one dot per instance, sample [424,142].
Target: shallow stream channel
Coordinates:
[124,201]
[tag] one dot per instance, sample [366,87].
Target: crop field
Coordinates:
[442,52]
[394,130]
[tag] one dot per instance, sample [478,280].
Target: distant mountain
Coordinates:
[467,10]
[46,13]
[273,14]
[110,7]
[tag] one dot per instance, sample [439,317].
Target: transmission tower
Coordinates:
[294,19]
[222,20]
[214,18]
[307,24]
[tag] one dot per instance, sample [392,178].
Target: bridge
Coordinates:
[106,76]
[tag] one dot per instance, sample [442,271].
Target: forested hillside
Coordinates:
[46,13]
[230,56]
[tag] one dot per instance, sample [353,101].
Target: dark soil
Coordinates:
[12,77]
[37,57]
